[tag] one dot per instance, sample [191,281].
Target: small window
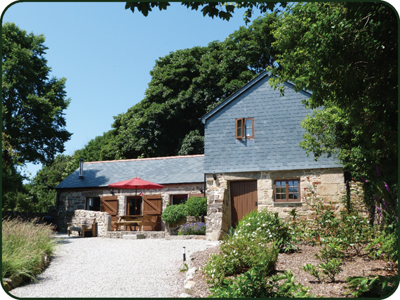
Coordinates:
[178,199]
[245,128]
[287,190]
[135,205]
[93,203]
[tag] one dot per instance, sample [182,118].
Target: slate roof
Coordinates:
[277,131]
[161,170]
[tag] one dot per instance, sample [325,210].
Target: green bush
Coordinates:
[372,286]
[196,206]
[23,245]
[385,245]
[268,227]
[238,254]
[254,284]
[174,213]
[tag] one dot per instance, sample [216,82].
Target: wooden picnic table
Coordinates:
[128,220]
[136,220]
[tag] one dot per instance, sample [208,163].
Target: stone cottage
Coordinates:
[86,193]
[252,161]
[252,157]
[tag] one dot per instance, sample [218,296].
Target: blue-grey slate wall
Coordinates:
[277,132]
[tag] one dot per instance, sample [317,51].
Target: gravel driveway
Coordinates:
[103,267]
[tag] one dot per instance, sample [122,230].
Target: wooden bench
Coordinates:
[83,225]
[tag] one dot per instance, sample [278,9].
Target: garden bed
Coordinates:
[357,266]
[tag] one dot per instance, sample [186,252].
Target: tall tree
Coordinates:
[347,55]
[33,104]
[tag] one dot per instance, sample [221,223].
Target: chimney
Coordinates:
[81,168]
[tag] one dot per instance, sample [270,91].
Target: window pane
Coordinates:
[296,189]
[296,183]
[296,196]
[290,196]
[278,183]
[278,196]
[290,190]
[239,131]
[283,190]
[290,183]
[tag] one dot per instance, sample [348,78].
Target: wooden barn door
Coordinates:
[109,204]
[243,199]
[152,207]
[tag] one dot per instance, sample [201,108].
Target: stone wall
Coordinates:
[70,201]
[327,184]
[103,220]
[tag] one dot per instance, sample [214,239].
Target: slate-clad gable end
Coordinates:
[277,132]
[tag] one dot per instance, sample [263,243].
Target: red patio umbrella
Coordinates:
[136,183]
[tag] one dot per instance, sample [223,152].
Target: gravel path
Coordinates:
[103,267]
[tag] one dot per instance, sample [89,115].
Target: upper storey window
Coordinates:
[245,128]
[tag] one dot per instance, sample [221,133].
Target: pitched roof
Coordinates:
[161,170]
[240,91]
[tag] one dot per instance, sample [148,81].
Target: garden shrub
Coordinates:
[385,245]
[268,227]
[372,286]
[238,254]
[254,284]
[196,206]
[174,213]
[198,228]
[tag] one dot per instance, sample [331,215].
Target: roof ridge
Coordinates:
[141,159]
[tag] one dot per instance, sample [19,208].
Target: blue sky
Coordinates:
[107,52]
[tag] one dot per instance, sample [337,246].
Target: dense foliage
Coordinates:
[23,245]
[174,213]
[347,55]
[222,10]
[33,105]
[196,206]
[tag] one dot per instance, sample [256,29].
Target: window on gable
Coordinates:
[287,190]
[245,128]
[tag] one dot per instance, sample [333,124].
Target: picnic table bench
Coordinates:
[82,225]
[136,220]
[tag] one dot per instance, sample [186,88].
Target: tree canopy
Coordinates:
[222,10]
[33,104]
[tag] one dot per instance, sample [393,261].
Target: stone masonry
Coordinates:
[75,200]
[327,184]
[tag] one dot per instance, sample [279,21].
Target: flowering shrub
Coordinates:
[267,227]
[198,228]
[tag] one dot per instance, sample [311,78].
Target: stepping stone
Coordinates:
[133,236]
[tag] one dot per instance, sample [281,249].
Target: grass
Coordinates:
[23,245]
